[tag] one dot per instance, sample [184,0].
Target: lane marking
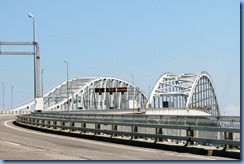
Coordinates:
[12,143]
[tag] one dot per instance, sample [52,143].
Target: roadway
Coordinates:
[18,143]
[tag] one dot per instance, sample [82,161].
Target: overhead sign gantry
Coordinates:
[36,54]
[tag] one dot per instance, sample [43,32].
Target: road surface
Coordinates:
[18,143]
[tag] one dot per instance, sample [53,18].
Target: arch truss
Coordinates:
[185,91]
[90,93]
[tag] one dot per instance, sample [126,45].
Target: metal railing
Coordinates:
[206,130]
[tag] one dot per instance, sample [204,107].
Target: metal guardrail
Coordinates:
[184,128]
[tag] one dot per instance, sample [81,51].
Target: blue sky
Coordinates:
[122,38]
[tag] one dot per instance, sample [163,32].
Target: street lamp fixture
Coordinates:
[34,26]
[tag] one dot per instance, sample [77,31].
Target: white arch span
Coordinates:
[185,91]
[89,93]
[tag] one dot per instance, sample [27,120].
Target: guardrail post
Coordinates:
[48,122]
[43,122]
[55,124]
[72,124]
[38,122]
[158,131]
[189,134]
[115,128]
[218,133]
[32,121]
[97,126]
[228,136]
[134,129]
[63,124]
[83,125]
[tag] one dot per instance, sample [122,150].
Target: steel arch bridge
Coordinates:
[185,91]
[89,93]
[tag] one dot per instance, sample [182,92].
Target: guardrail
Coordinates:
[188,129]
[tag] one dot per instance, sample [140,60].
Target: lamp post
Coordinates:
[12,97]
[42,81]
[37,96]
[36,84]
[34,26]
[133,93]
[3,94]
[34,42]
[67,84]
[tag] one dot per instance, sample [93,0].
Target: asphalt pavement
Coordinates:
[17,143]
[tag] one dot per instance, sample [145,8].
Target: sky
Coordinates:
[143,38]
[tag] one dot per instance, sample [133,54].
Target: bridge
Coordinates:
[193,92]
[88,93]
[179,94]
[182,110]
[181,114]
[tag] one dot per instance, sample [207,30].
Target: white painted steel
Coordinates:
[185,91]
[82,96]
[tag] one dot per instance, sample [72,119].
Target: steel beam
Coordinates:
[17,43]
[16,53]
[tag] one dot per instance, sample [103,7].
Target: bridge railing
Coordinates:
[206,130]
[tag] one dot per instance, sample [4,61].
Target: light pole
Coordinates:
[38,98]
[34,26]
[42,81]
[133,93]
[3,94]
[34,42]
[67,85]
[12,97]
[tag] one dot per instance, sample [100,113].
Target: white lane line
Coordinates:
[12,143]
